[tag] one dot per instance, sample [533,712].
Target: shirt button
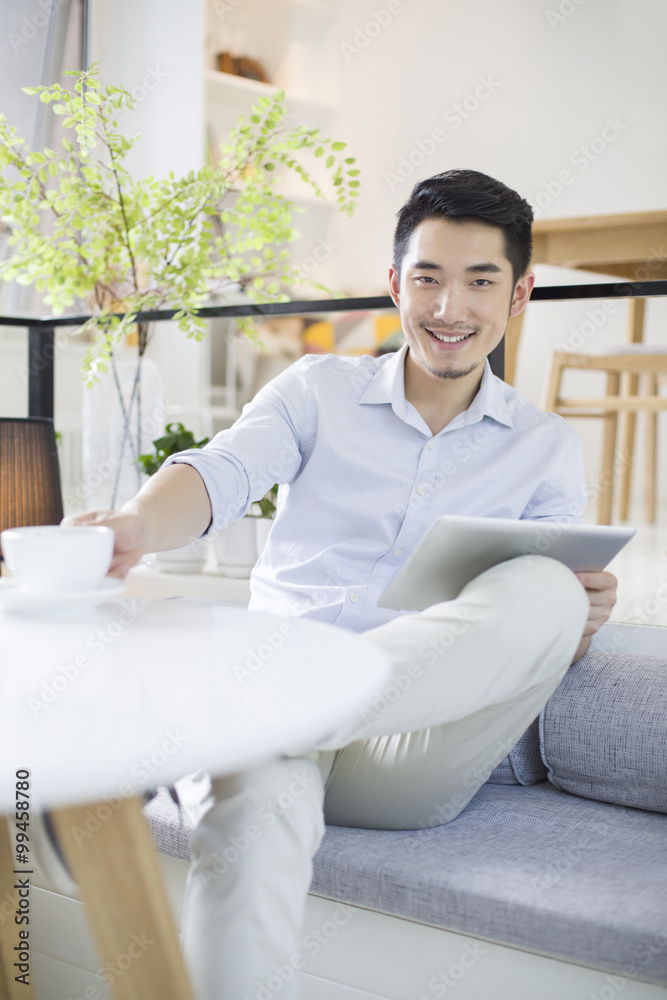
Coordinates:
[398,552]
[354,597]
[421,490]
[430,446]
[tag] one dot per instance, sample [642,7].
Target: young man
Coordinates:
[368,451]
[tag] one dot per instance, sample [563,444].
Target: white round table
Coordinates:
[103,705]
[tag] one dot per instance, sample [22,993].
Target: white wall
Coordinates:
[154,49]
[547,83]
[549,91]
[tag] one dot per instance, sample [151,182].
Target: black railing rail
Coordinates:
[41,330]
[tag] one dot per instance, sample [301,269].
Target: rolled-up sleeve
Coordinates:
[263,447]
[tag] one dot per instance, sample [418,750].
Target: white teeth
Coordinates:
[449,340]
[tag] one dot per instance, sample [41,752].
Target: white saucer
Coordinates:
[17,601]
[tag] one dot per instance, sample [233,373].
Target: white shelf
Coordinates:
[227,86]
[296,42]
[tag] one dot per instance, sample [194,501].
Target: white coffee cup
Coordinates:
[58,559]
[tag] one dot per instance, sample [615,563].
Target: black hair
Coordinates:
[467,195]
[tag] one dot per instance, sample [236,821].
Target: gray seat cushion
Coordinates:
[531,867]
[535,867]
[603,732]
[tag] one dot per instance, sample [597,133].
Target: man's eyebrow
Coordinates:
[484,266]
[425,265]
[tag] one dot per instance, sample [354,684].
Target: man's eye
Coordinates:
[425,277]
[482,282]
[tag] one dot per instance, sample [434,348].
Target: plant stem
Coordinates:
[127,415]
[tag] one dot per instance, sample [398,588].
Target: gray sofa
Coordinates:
[550,885]
[562,853]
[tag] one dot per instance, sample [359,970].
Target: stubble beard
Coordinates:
[450,372]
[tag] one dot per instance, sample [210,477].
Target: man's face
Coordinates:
[455,295]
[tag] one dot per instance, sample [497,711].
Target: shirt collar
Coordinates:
[388,386]
[490,401]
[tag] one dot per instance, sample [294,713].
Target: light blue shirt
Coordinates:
[362,478]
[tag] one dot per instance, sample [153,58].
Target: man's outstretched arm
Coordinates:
[171,509]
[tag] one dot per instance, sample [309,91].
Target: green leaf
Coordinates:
[338,145]
[166,224]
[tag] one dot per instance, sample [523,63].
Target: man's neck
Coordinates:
[439,400]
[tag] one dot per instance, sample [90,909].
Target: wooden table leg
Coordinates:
[608,453]
[9,937]
[628,447]
[636,313]
[117,870]
[651,449]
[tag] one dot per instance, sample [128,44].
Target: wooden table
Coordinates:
[632,245]
[100,706]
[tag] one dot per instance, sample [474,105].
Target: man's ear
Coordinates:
[394,285]
[521,294]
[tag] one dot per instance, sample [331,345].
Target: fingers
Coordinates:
[120,568]
[598,581]
[601,590]
[94,517]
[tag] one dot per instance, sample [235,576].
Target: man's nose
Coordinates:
[451,306]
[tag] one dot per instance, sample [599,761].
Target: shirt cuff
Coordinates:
[228,503]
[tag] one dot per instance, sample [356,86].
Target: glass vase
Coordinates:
[122,414]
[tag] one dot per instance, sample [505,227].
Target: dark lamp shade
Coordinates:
[29,473]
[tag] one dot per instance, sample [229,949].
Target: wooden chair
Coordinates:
[626,246]
[633,372]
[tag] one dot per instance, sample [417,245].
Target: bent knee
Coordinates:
[533,602]
[534,587]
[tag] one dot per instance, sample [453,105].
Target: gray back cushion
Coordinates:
[523,764]
[603,733]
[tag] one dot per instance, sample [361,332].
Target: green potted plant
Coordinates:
[239,545]
[123,245]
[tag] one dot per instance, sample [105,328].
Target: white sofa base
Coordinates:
[349,953]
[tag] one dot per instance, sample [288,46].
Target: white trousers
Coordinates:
[468,677]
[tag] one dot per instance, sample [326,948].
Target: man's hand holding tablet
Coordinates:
[457,549]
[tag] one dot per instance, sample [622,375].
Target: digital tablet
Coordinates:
[455,550]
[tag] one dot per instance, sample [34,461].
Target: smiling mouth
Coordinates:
[446,338]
